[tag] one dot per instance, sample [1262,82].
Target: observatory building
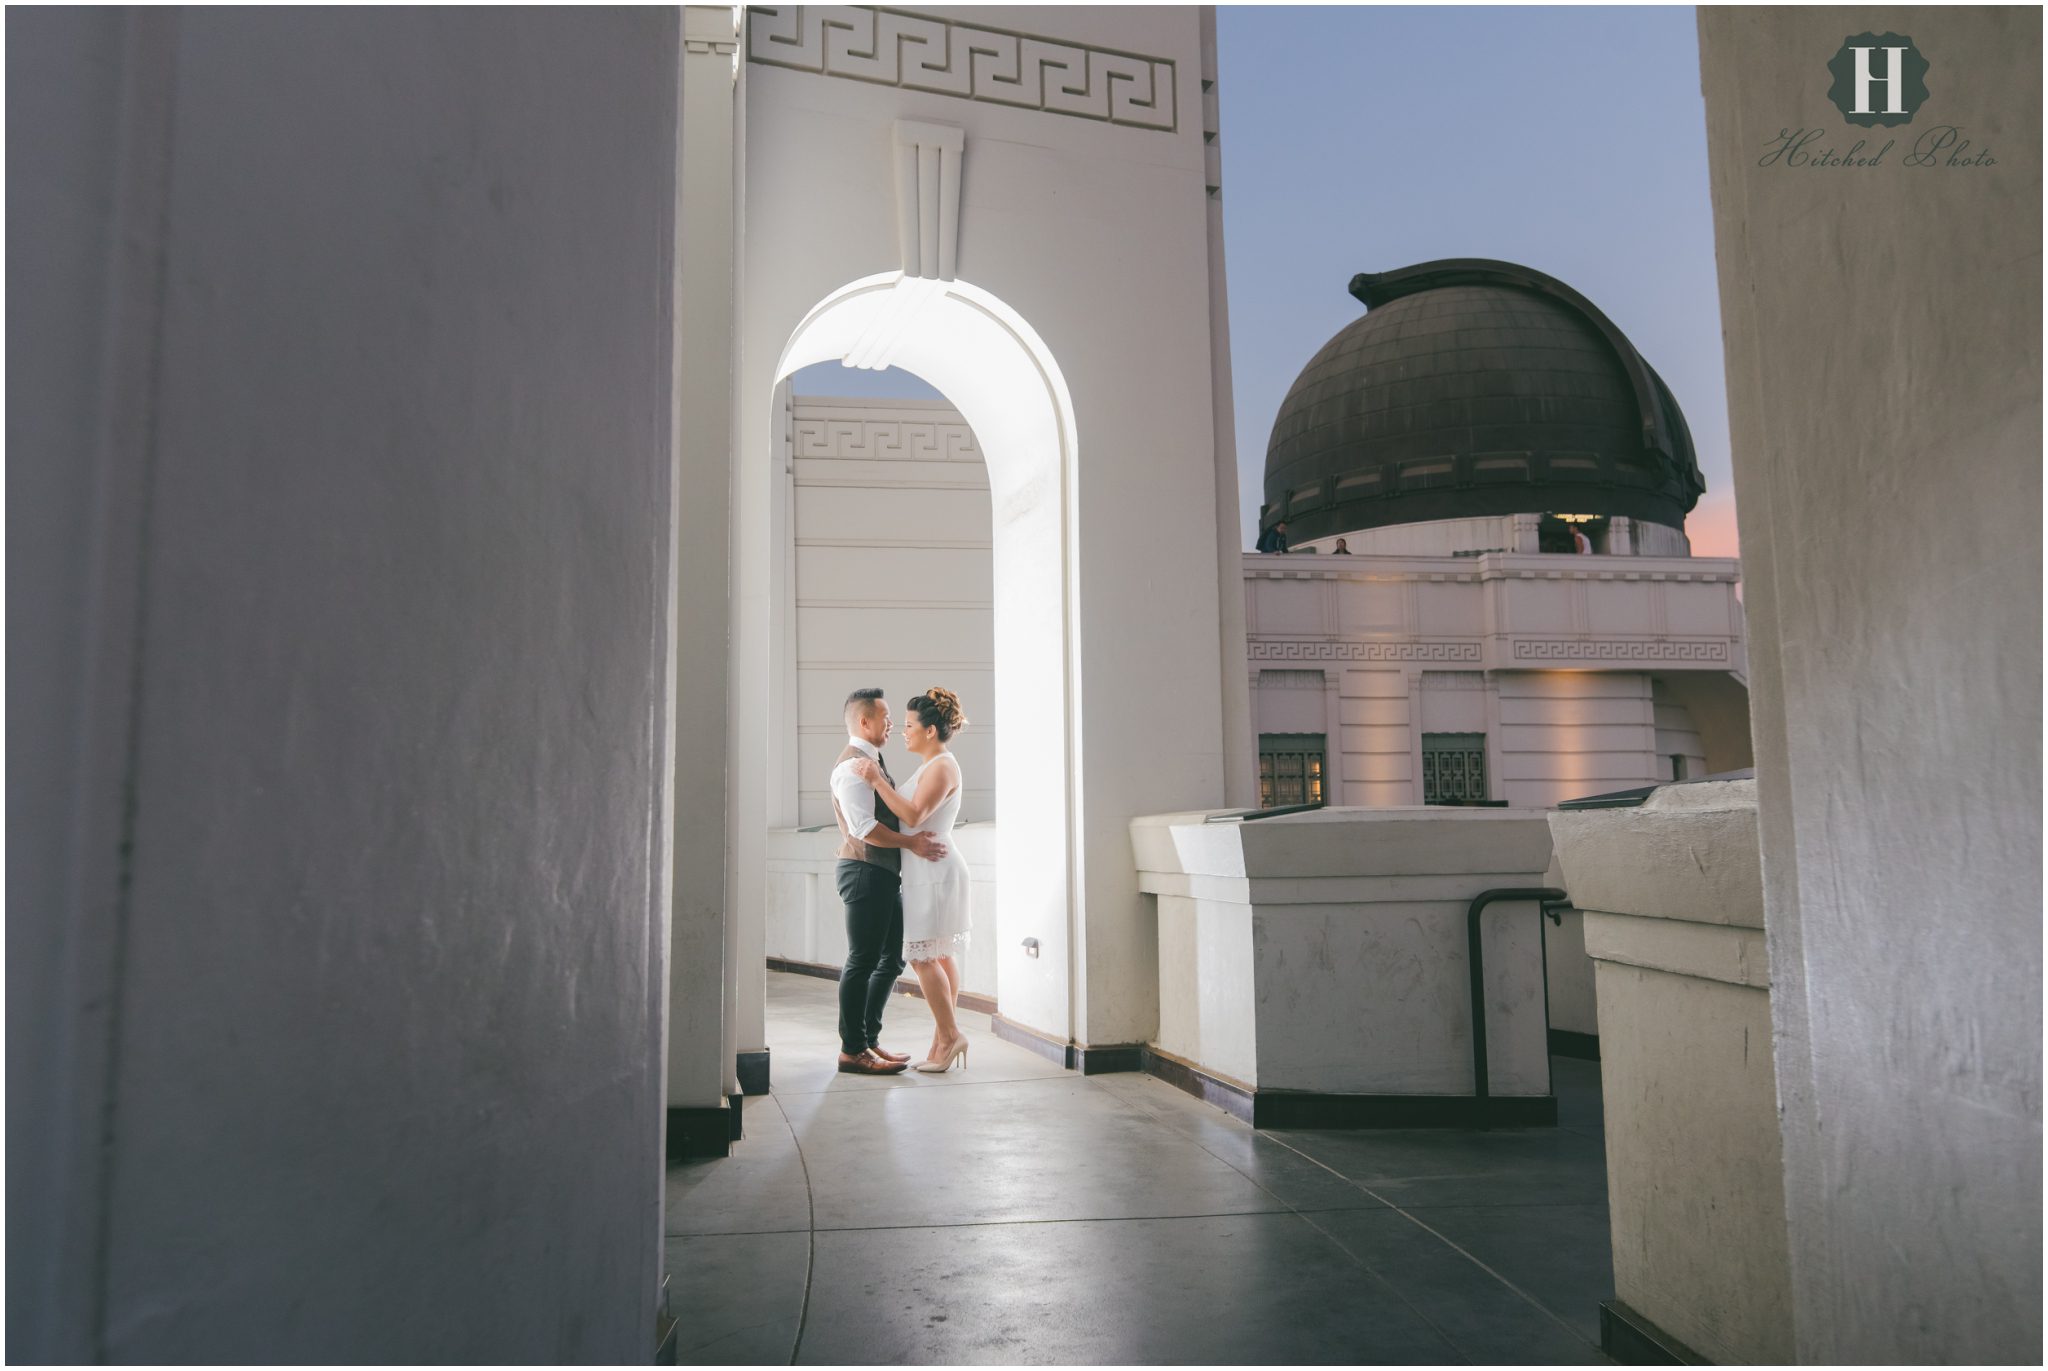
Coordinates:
[1498,603]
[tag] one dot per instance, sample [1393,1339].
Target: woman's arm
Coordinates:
[933,788]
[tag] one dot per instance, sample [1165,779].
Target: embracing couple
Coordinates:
[898,906]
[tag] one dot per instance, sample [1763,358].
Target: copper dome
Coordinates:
[1474,388]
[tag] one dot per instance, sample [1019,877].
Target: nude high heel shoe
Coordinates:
[958,1054]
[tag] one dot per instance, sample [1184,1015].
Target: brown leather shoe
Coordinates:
[886,1055]
[868,1064]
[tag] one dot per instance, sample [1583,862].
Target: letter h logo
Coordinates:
[1893,65]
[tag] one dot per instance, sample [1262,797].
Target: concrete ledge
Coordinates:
[1673,907]
[1729,953]
[1689,853]
[1324,955]
[709,1131]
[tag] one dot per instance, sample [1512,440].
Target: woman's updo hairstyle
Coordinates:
[939,708]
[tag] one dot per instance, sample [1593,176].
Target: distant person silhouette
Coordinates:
[1274,539]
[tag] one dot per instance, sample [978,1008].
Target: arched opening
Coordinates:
[993,369]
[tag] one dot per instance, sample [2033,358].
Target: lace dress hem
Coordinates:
[931,949]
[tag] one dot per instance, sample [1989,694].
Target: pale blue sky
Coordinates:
[1364,139]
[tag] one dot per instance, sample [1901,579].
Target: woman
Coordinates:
[934,893]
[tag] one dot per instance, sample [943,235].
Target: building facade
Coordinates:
[1519,678]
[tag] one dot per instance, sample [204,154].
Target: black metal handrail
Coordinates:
[1252,815]
[1544,896]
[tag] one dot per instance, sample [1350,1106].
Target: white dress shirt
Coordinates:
[856,797]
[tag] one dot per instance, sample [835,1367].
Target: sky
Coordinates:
[1365,139]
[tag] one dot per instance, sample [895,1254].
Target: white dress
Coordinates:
[935,894]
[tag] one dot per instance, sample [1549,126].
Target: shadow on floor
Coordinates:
[1016,1212]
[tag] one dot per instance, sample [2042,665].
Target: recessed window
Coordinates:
[1290,769]
[1431,471]
[1677,766]
[1453,768]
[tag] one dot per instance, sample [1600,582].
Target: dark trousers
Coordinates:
[874,951]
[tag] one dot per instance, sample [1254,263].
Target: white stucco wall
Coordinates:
[892,583]
[1883,329]
[1106,291]
[1327,951]
[362,1002]
[1672,901]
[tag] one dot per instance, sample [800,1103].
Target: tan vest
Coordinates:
[853,849]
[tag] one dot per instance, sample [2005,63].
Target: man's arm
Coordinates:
[923,844]
[857,803]
[856,800]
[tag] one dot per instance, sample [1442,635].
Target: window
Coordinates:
[1290,769]
[1453,768]
[1678,766]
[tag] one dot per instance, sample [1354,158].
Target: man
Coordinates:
[1581,544]
[1274,539]
[870,884]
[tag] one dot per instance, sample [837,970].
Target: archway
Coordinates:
[999,375]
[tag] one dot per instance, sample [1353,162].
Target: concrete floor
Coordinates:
[1016,1212]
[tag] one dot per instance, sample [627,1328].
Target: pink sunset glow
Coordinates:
[1711,526]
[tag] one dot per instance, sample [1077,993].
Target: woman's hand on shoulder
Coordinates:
[868,771]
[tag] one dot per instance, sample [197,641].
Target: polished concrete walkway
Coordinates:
[1015,1212]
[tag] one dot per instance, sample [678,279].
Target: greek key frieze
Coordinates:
[971,61]
[1570,649]
[885,440]
[1363,652]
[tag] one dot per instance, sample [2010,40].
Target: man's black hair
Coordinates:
[866,697]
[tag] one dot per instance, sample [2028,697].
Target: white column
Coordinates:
[1415,791]
[1333,736]
[784,737]
[1895,682]
[355,765]
[1240,751]
[700,1031]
